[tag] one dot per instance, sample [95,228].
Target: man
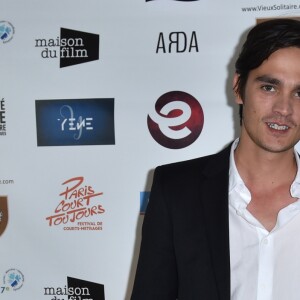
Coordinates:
[227,226]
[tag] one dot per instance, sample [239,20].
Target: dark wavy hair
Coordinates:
[263,40]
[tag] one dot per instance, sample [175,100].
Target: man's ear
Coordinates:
[238,98]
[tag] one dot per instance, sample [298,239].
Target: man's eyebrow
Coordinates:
[268,79]
[271,80]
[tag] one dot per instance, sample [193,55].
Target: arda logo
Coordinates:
[177,120]
[178,42]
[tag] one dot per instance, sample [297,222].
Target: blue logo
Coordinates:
[13,280]
[144,199]
[7,31]
[75,122]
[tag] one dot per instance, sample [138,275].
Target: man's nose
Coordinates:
[283,104]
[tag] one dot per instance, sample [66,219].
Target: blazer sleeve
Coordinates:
[156,275]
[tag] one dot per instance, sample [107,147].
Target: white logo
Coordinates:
[165,122]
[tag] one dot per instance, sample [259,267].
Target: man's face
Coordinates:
[271,113]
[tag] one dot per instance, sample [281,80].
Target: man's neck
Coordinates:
[258,166]
[268,176]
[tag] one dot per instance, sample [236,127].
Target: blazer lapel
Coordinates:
[214,195]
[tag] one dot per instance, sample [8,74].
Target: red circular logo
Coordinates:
[177,120]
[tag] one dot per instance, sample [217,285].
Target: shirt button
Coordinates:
[265,241]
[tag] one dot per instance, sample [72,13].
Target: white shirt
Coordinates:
[264,265]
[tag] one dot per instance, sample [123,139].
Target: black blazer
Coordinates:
[185,238]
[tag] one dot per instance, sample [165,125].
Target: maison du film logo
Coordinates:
[72,47]
[3,214]
[177,120]
[76,289]
[68,122]
[78,208]
[2,117]
[7,32]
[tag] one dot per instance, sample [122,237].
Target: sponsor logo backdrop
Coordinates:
[93,97]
